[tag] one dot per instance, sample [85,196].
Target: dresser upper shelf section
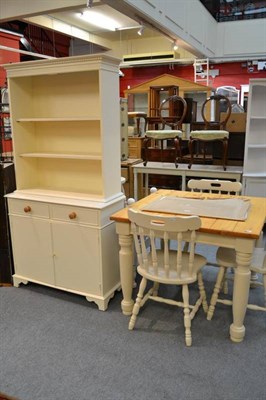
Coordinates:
[92,62]
[65,124]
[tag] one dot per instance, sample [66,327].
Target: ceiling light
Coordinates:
[140,31]
[89,3]
[125,28]
[174,46]
[100,20]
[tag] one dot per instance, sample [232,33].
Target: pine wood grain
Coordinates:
[250,228]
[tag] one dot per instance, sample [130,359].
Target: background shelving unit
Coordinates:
[6,154]
[254,173]
[66,134]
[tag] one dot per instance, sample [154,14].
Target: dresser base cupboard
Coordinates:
[66,133]
[66,246]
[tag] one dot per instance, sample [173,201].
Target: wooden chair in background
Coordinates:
[214,130]
[172,112]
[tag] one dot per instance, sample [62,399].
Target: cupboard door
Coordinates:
[76,257]
[32,249]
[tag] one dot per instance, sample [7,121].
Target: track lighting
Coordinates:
[140,31]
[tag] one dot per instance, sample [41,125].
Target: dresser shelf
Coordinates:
[58,155]
[64,119]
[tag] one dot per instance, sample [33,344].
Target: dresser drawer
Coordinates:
[134,147]
[28,208]
[134,153]
[75,214]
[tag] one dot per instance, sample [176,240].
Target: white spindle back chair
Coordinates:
[215,186]
[164,265]
[226,258]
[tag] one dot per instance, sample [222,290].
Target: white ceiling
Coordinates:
[66,19]
[73,18]
[125,23]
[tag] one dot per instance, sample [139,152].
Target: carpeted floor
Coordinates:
[57,346]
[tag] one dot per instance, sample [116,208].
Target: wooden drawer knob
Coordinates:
[27,209]
[72,215]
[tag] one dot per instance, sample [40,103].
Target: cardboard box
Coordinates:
[236,122]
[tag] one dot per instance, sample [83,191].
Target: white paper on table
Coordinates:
[235,209]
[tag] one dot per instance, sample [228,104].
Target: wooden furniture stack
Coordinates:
[66,137]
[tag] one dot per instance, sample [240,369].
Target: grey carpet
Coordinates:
[56,346]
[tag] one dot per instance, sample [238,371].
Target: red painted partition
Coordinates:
[230,74]
[7,56]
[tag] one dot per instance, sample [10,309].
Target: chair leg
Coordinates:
[204,152]
[155,289]
[253,279]
[225,283]
[161,150]
[216,291]
[225,151]
[190,148]
[202,292]
[136,307]
[178,153]
[145,152]
[187,319]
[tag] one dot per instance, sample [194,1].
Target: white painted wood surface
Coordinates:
[67,159]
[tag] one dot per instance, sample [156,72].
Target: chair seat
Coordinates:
[163,134]
[173,278]
[226,257]
[137,114]
[209,134]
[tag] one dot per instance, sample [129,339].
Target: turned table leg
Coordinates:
[240,295]
[126,272]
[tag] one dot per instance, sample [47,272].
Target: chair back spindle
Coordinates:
[159,261]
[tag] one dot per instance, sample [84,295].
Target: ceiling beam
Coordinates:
[17,9]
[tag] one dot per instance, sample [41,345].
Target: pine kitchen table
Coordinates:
[239,235]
